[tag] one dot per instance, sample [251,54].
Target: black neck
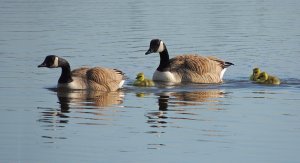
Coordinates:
[164,60]
[65,76]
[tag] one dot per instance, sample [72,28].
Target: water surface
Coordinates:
[237,121]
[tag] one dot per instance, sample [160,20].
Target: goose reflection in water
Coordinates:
[85,102]
[89,99]
[188,98]
[178,106]
[81,100]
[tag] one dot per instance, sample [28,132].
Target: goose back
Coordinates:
[96,78]
[104,79]
[197,69]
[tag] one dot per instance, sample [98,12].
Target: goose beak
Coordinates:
[42,65]
[149,52]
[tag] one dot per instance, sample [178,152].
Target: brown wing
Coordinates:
[198,69]
[104,79]
[80,72]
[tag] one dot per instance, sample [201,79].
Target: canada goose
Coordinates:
[255,74]
[96,78]
[142,81]
[264,78]
[186,68]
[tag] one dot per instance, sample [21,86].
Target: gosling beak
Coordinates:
[42,65]
[149,51]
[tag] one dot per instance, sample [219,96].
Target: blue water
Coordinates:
[237,121]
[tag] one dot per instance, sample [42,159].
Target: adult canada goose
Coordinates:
[96,78]
[186,68]
[141,81]
[265,78]
[255,74]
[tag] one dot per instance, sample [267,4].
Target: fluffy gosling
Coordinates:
[264,78]
[255,74]
[141,81]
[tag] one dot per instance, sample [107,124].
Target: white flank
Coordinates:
[121,83]
[222,73]
[164,76]
[55,64]
[161,47]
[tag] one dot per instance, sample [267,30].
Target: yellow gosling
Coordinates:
[141,81]
[264,78]
[255,74]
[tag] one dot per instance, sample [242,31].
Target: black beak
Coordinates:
[42,65]
[149,52]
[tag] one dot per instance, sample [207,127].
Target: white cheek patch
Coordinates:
[161,47]
[55,64]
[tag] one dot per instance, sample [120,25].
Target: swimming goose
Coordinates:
[265,78]
[96,78]
[186,68]
[142,81]
[255,74]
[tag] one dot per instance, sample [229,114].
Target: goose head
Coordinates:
[156,46]
[53,61]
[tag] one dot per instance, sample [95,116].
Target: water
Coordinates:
[237,121]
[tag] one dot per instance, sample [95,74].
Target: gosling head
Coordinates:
[140,76]
[156,46]
[262,77]
[256,72]
[53,61]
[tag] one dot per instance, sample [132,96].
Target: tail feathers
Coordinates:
[121,73]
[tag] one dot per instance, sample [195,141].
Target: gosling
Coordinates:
[141,81]
[255,74]
[264,78]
